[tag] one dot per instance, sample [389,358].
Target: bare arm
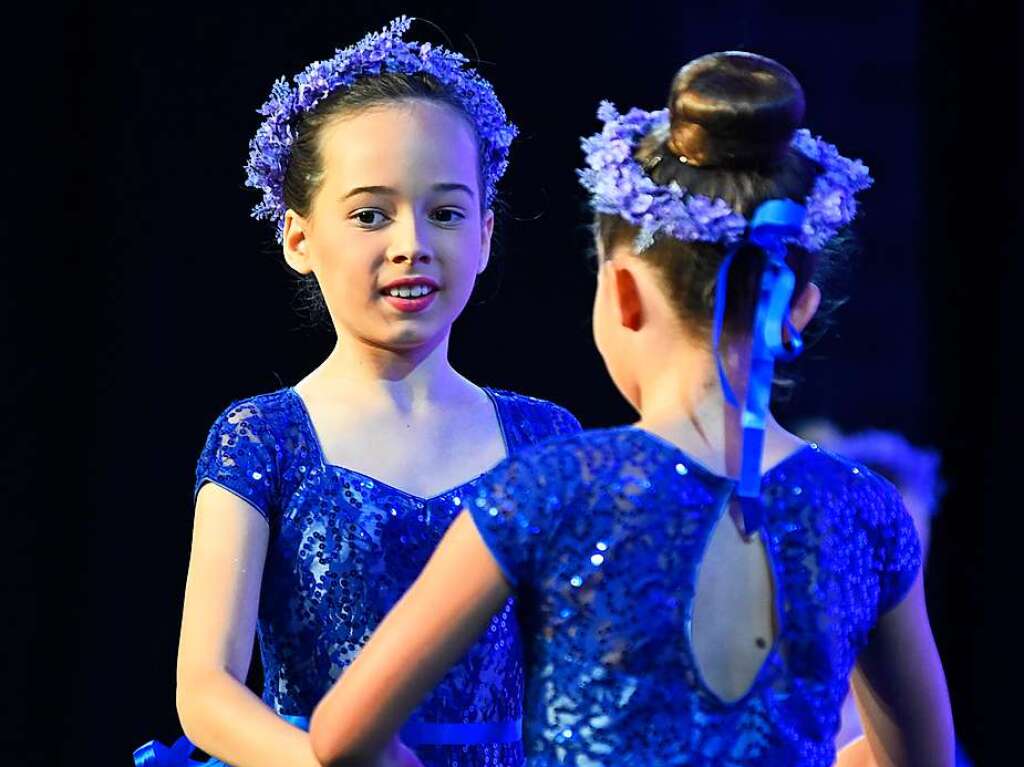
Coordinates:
[901,689]
[429,630]
[217,711]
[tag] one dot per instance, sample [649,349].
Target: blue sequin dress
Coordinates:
[601,535]
[343,549]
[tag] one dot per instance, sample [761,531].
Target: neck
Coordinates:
[371,372]
[684,403]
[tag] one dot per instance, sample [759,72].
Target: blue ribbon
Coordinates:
[772,222]
[156,754]
[414,733]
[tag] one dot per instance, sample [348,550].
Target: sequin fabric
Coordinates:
[602,532]
[344,547]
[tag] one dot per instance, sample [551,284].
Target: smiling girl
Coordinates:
[318,504]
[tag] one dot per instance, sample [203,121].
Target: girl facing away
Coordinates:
[318,504]
[697,587]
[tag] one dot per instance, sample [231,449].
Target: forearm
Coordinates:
[393,754]
[224,718]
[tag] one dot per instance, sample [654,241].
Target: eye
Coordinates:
[369,218]
[448,216]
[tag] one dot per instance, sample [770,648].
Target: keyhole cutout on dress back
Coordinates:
[734,622]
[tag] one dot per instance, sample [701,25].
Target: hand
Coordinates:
[856,753]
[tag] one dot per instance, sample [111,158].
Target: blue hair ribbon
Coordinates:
[773,222]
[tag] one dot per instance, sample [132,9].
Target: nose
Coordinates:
[410,243]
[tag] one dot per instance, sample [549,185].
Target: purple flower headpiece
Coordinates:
[377,53]
[619,185]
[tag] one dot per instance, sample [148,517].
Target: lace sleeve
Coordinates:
[899,550]
[519,504]
[562,421]
[240,456]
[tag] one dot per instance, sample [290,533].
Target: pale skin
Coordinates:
[669,377]
[386,402]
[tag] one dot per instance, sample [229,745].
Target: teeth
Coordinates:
[414,292]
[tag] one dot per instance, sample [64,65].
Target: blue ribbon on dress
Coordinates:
[772,222]
[414,733]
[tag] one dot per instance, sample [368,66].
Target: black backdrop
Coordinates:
[156,300]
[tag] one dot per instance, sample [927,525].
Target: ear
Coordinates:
[627,297]
[486,231]
[295,244]
[805,306]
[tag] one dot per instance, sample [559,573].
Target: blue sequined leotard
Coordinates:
[601,535]
[343,548]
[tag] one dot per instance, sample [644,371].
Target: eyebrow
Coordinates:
[449,186]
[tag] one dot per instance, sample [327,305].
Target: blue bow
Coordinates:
[156,754]
[773,221]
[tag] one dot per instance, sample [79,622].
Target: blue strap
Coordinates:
[415,733]
[772,222]
[461,734]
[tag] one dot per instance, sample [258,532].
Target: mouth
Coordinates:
[410,294]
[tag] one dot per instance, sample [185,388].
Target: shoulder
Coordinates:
[268,424]
[262,414]
[569,458]
[868,490]
[869,501]
[877,514]
[542,494]
[541,418]
[244,448]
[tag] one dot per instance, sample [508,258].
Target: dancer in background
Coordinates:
[318,504]
[698,586]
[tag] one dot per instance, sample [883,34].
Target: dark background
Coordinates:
[144,299]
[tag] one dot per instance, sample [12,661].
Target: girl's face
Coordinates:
[395,236]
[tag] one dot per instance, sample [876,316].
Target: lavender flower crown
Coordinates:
[376,54]
[619,185]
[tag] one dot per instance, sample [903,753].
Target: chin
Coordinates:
[414,335]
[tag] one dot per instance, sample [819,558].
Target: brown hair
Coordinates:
[732,117]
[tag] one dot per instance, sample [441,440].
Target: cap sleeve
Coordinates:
[518,505]
[899,550]
[240,456]
[562,421]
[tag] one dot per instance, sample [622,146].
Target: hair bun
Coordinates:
[733,109]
